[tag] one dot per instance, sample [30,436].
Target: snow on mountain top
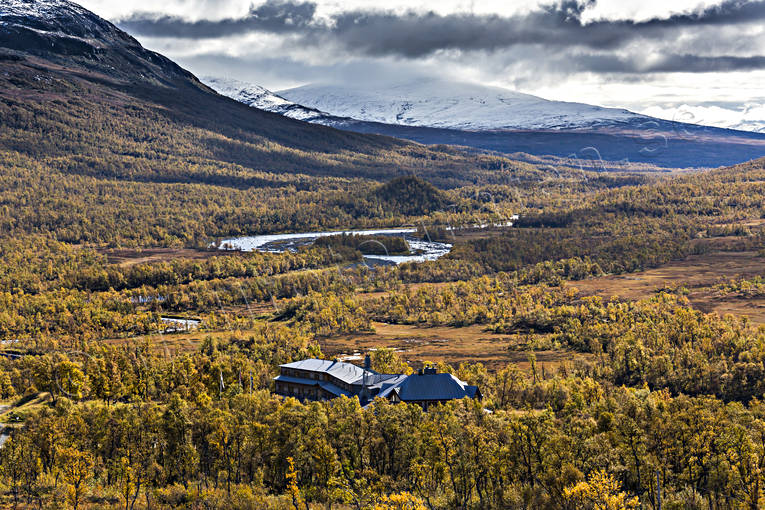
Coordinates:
[36,8]
[248,93]
[70,35]
[263,99]
[444,104]
[60,17]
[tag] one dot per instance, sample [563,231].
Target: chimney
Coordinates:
[367,362]
[364,395]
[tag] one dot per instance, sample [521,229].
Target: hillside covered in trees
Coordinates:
[119,145]
[650,390]
[175,163]
[84,98]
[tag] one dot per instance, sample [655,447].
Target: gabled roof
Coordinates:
[346,372]
[419,387]
[384,380]
[388,382]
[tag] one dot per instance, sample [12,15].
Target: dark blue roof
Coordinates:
[419,387]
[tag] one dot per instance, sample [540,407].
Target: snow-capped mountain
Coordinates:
[53,18]
[452,105]
[48,9]
[263,99]
[750,117]
[65,32]
[488,118]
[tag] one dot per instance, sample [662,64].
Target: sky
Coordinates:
[700,61]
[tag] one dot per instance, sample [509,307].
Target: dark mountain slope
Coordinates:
[67,34]
[74,86]
[657,142]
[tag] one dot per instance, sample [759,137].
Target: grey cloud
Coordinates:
[701,64]
[728,13]
[284,72]
[558,29]
[664,64]
[273,17]
[415,34]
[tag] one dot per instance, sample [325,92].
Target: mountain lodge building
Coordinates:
[316,379]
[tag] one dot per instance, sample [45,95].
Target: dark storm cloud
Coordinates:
[272,17]
[417,34]
[558,28]
[663,64]
[697,64]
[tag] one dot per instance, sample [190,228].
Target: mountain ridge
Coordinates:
[438,103]
[264,99]
[66,33]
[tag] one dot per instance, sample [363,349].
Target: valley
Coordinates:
[698,276]
[206,305]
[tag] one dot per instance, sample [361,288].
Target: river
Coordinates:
[421,250]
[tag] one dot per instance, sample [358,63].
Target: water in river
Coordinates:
[177,324]
[422,250]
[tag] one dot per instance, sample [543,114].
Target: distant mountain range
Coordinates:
[449,105]
[489,118]
[426,103]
